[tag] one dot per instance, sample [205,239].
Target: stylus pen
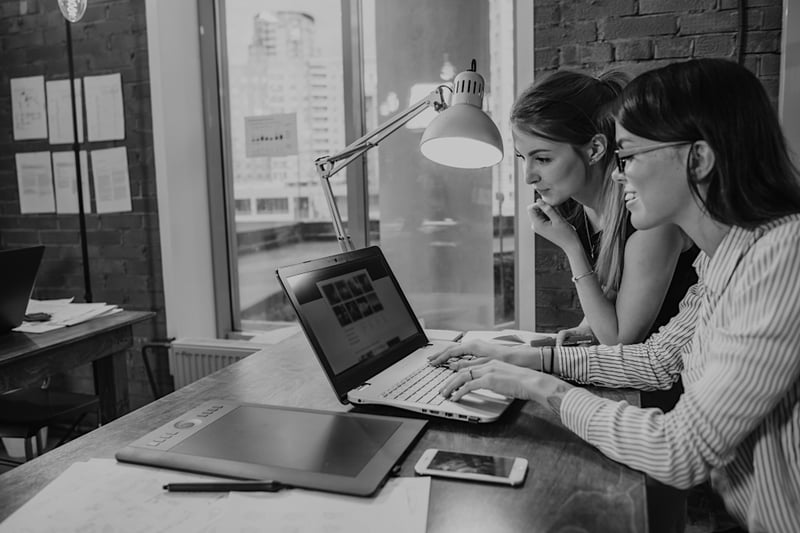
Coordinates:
[226,486]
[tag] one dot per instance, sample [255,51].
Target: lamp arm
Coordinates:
[329,165]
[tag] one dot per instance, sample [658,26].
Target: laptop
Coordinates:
[369,341]
[18,269]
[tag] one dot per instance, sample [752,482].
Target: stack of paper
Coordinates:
[63,313]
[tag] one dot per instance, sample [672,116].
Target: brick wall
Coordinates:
[124,248]
[635,36]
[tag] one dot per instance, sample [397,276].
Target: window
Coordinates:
[448,234]
[271,206]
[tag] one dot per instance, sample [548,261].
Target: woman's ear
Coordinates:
[701,160]
[596,148]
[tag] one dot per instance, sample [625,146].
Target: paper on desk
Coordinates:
[507,336]
[443,334]
[63,313]
[401,506]
[103,495]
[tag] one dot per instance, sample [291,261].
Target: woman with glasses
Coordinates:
[629,282]
[699,146]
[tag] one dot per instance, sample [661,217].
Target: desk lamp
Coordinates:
[461,136]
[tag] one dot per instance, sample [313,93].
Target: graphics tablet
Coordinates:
[349,453]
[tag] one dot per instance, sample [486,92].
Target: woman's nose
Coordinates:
[532,178]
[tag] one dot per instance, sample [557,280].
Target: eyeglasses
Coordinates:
[622,156]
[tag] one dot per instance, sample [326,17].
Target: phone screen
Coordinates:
[471,463]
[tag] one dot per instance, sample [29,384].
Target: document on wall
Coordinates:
[59,111]
[112,188]
[35,183]
[66,182]
[105,115]
[270,135]
[28,108]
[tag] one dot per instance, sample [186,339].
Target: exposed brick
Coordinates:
[714,45]
[568,55]
[595,53]
[632,50]
[769,65]
[763,42]
[582,32]
[544,14]
[546,58]
[673,47]
[773,18]
[597,9]
[709,22]
[644,26]
[648,7]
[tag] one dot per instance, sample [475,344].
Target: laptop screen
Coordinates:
[353,311]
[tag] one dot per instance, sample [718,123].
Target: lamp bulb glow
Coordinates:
[73,10]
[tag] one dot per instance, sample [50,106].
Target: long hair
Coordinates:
[572,107]
[753,179]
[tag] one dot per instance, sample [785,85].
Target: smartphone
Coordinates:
[470,466]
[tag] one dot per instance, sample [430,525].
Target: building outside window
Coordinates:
[294,84]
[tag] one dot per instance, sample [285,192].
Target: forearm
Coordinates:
[599,312]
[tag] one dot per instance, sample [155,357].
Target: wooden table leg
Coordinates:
[111,385]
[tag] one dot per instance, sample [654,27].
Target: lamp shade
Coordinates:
[72,10]
[463,136]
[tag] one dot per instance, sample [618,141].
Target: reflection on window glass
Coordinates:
[447,233]
[284,62]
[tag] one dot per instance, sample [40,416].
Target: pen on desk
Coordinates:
[226,486]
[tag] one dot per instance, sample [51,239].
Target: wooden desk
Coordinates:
[570,485]
[27,358]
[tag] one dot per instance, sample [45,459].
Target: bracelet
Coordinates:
[584,275]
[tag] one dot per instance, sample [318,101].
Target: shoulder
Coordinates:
[779,239]
[663,240]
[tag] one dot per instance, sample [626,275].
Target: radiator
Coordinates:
[191,358]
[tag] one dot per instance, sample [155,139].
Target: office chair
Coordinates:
[24,412]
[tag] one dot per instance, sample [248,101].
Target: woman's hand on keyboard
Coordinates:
[477,352]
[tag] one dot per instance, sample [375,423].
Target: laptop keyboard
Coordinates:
[421,386]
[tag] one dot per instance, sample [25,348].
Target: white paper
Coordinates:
[59,111]
[35,183]
[103,495]
[105,115]
[66,182]
[507,336]
[112,188]
[63,313]
[401,506]
[443,334]
[28,108]
[271,135]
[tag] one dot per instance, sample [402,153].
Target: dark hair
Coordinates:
[753,179]
[572,107]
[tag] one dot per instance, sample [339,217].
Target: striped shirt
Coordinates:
[736,344]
